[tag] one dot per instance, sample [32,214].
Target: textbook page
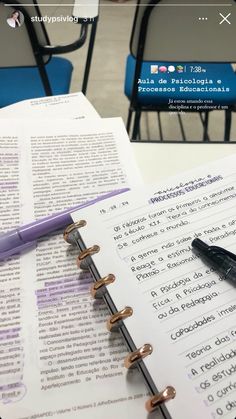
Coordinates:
[74,106]
[180,305]
[57,359]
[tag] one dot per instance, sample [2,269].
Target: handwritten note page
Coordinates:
[56,358]
[181,306]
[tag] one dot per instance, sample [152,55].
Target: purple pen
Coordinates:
[22,238]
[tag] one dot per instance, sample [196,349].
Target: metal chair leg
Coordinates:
[160,126]
[205,127]
[228,121]
[89,56]
[136,125]
[44,76]
[129,119]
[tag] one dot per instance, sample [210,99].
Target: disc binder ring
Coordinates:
[114,321]
[134,357]
[71,228]
[97,288]
[90,251]
[159,398]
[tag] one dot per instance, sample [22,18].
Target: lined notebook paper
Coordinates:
[181,306]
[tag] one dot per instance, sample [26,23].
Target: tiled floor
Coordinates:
[106,82]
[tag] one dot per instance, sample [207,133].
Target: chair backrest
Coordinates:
[176,31]
[16,43]
[84,9]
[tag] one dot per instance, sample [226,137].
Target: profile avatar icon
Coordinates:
[16,19]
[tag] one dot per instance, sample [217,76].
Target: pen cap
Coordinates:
[10,240]
[200,245]
[214,256]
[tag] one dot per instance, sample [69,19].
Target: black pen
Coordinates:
[220,259]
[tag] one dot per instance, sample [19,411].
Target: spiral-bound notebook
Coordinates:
[176,314]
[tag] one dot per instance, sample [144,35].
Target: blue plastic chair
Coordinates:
[22,83]
[28,67]
[149,85]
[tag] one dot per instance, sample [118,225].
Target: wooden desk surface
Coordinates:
[157,161]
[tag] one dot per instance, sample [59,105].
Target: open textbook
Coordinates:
[181,307]
[55,357]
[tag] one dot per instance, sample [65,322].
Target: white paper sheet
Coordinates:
[181,306]
[56,358]
[73,106]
